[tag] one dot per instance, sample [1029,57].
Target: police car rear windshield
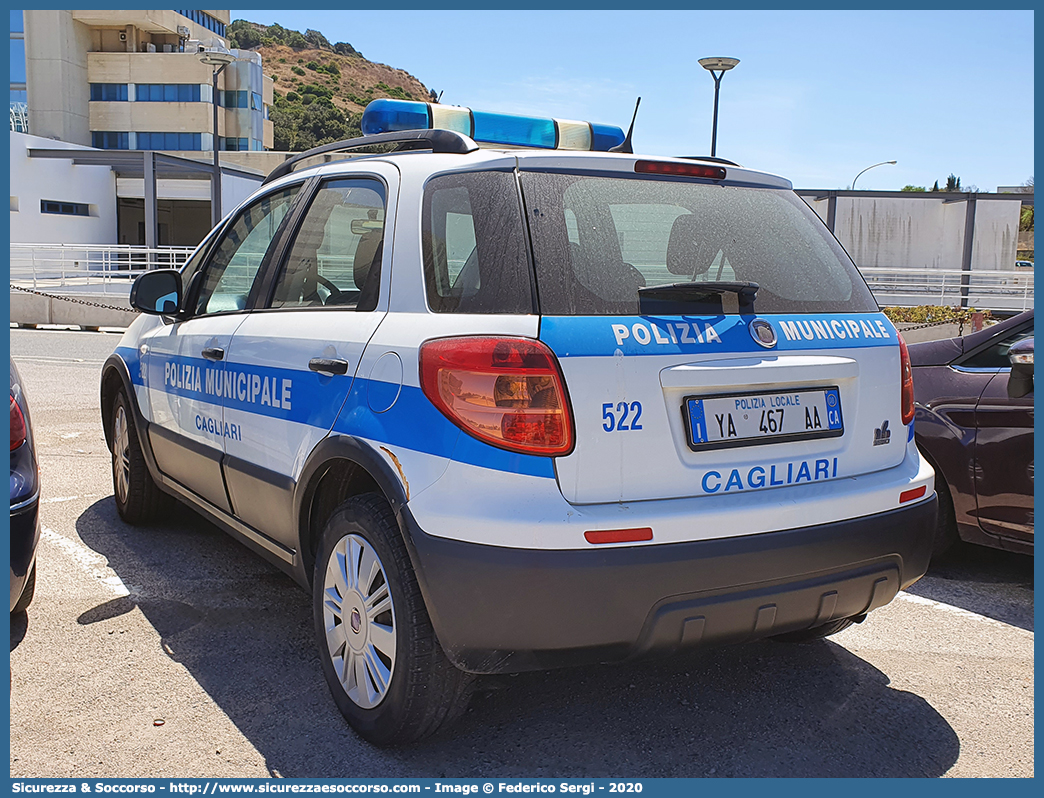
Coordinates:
[598,239]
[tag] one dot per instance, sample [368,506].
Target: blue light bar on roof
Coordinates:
[386,116]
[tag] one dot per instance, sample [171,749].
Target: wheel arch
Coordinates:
[115,377]
[340,467]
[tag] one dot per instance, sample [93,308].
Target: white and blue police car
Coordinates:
[532,404]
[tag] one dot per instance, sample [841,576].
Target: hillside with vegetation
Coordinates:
[321,87]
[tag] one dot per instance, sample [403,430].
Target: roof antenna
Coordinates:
[625,146]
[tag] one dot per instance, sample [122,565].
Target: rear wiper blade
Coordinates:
[678,297]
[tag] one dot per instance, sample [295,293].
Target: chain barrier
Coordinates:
[960,324]
[70,299]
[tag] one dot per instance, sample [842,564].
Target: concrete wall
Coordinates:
[919,232]
[148,68]
[56,48]
[30,310]
[38,179]
[154,117]
[148,22]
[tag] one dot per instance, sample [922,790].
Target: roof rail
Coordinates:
[710,158]
[447,141]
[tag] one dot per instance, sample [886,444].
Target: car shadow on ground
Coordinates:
[244,632]
[990,582]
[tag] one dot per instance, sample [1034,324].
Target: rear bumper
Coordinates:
[502,610]
[25,536]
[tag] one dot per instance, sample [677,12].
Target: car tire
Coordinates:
[946,534]
[28,591]
[137,496]
[384,665]
[816,632]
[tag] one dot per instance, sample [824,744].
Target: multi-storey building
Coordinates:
[134,80]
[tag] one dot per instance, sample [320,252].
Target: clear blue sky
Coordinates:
[817,96]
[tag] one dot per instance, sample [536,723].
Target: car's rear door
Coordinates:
[296,357]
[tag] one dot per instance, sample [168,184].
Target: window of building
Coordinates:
[109,92]
[17,23]
[255,101]
[108,140]
[204,19]
[167,92]
[170,141]
[233,99]
[234,144]
[65,208]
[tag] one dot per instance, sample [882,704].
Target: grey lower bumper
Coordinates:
[501,610]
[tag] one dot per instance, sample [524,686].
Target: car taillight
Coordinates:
[505,391]
[906,395]
[17,425]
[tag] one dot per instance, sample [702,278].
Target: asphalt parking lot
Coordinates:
[174,652]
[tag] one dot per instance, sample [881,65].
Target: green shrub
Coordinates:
[932,314]
[312,65]
[293,96]
[297,70]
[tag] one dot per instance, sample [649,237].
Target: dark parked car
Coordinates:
[974,423]
[25,499]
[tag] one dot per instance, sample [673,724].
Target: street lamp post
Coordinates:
[723,65]
[219,58]
[868,169]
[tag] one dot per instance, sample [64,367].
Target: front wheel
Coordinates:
[136,494]
[384,666]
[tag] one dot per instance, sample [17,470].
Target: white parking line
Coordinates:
[938,605]
[57,499]
[90,561]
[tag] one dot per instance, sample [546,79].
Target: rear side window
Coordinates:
[598,240]
[475,258]
[336,257]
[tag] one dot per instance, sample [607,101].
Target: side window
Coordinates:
[236,258]
[336,256]
[995,356]
[475,258]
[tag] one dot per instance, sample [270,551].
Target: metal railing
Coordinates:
[89,267]
[112,268]
[984,290]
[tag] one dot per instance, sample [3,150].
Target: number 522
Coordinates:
[611,423]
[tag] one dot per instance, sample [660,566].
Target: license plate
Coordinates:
[746,419]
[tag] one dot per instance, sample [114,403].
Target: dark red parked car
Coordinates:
[974,423]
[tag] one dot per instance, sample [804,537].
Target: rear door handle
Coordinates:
[213,353]
[328,365]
